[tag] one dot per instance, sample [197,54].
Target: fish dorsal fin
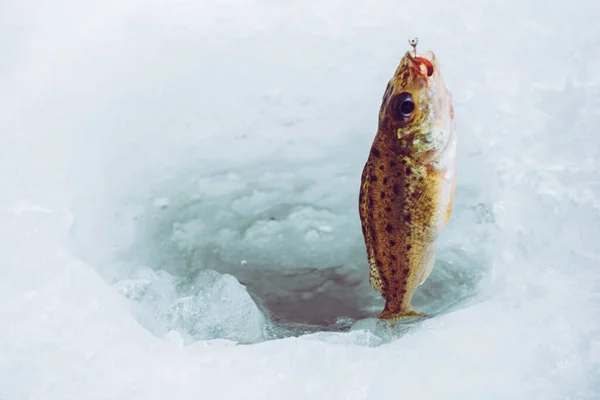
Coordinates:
[374,277]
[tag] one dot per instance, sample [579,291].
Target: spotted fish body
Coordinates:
[408,181]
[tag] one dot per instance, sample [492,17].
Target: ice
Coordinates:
[221,308]
[357,337]
[206,306]
[179,201]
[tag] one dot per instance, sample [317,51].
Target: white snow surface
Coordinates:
[179,201]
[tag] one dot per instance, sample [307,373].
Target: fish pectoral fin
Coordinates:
[428,262]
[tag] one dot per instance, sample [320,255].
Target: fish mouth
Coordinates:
[425,64]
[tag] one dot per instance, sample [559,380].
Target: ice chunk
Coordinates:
[210,306]
[221,308]
[216,306]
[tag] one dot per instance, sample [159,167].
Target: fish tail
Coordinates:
[400,314]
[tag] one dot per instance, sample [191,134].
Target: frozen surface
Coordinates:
[179,201]
[206,306]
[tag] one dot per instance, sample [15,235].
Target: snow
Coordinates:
[179,201]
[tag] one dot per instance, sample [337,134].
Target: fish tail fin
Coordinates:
[400,314]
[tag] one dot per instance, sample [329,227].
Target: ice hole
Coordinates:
[253,261]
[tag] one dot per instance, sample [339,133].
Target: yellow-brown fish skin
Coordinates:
[407,184]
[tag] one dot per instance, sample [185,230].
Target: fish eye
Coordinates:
[403,106]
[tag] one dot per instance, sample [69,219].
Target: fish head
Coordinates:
[416,111]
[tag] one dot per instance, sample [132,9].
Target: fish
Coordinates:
[408,182]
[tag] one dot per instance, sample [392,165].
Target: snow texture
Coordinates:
[179,201]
